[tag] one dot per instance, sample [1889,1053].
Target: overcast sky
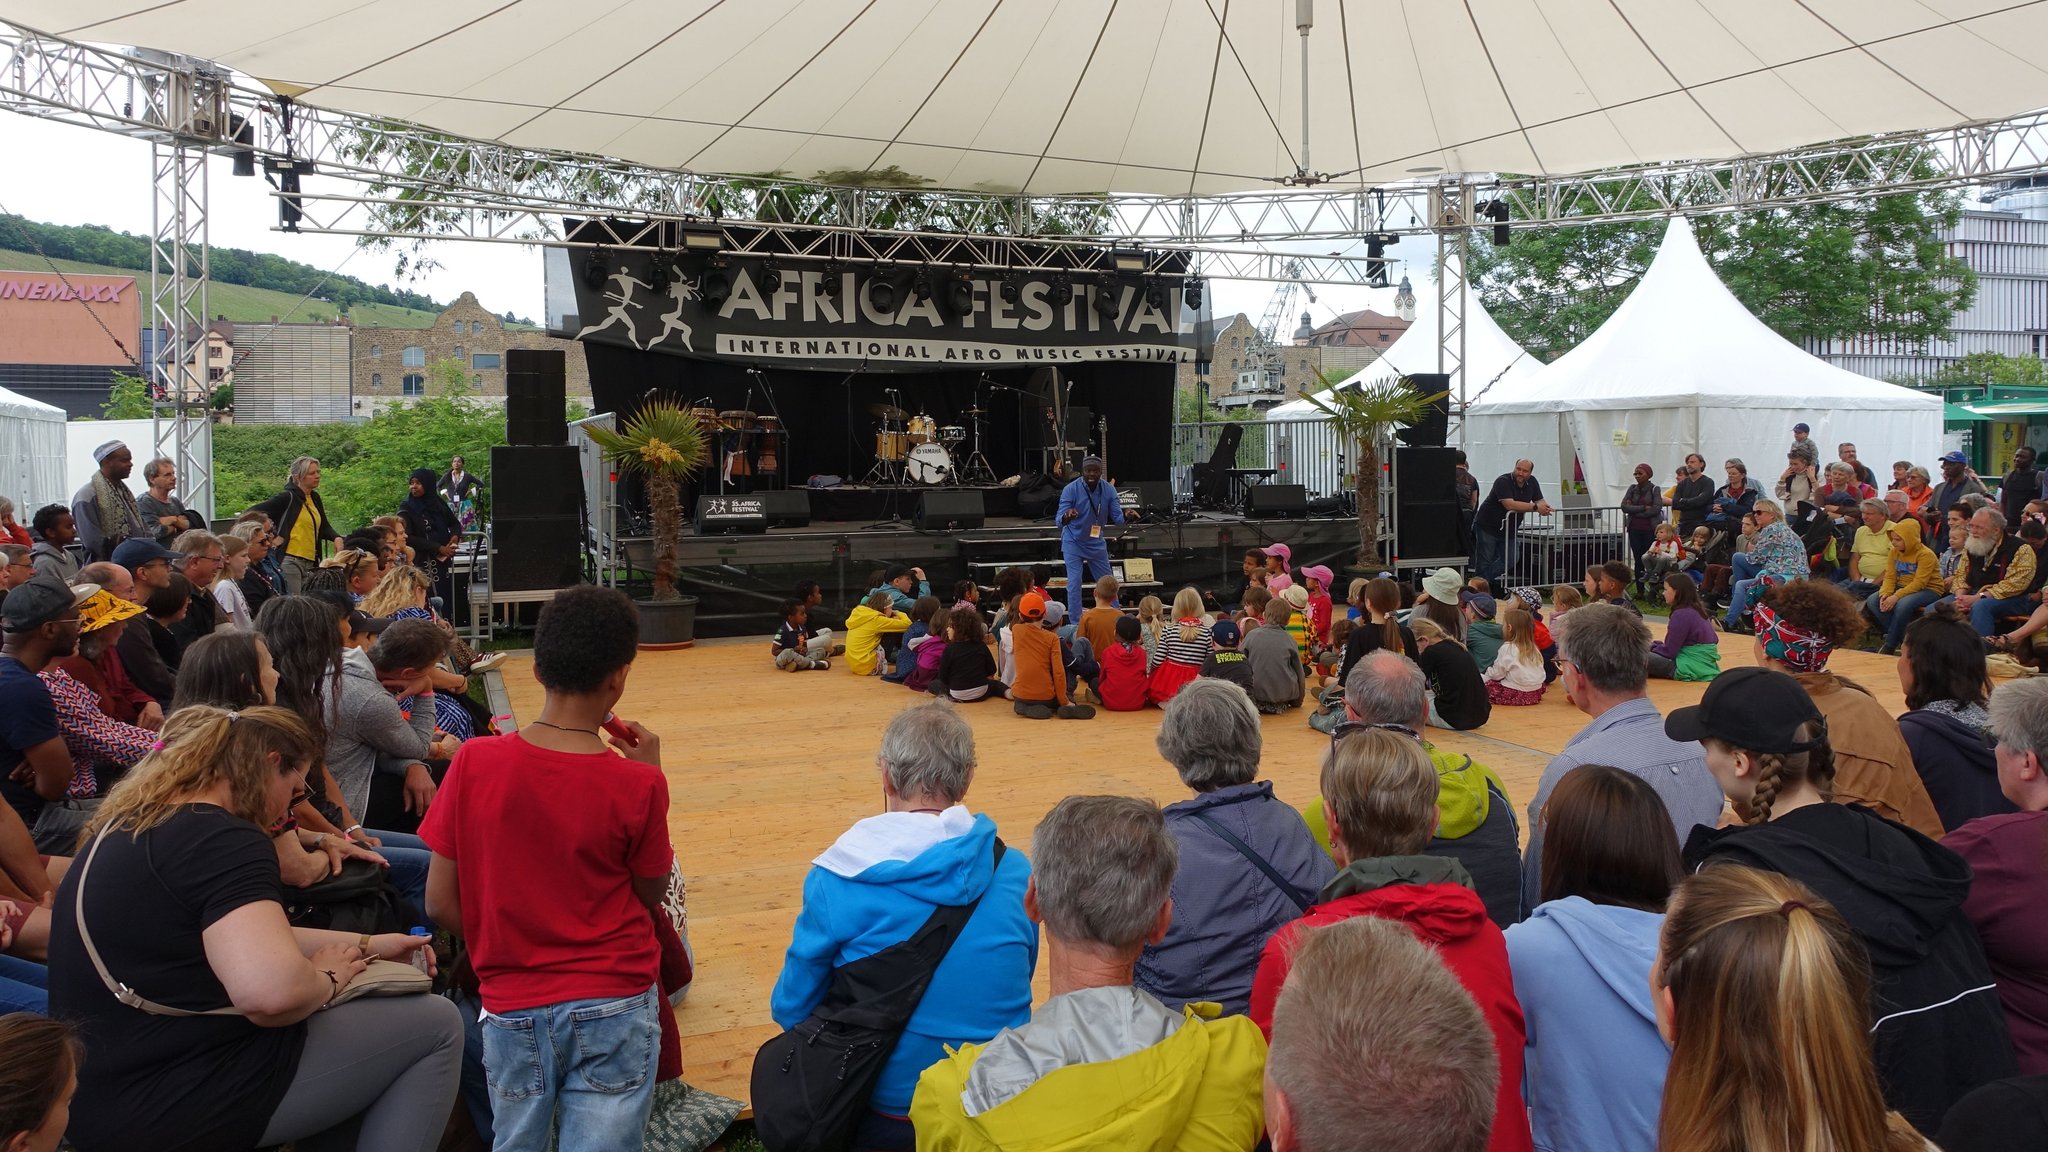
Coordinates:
[65,175]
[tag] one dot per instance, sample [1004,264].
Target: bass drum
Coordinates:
[929,464]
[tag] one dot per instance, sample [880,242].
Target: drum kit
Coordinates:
[918,450]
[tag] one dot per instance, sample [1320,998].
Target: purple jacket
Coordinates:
[2005,854]
[1687,627]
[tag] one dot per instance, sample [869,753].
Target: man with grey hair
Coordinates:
[1603,663]
[1513,495]
[200,557]
[1377,1045]
[2008,870]
[163,512]
[1133,1074]
[1475,818]
[300,522]
[882,879]
[1995,576]
[1247,861]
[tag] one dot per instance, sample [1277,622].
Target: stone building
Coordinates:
[388,365]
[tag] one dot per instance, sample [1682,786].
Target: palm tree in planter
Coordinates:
[663,445]
[1365,415]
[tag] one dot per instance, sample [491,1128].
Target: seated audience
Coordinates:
[1946,724]
[1515,677]
[228,596]
[259,580]
[41,619]
[1039,691]
[56,532]
[1912,581]
[1376,1045]
[181,895]
[871,621]
[1098,624]
[1798,626]
[1690,649]
[1939,1031]
[11,530]
[1869,558]
[1603,651]
[382,726]
[1613,580]
[1714,585]
[1295,596]
[932,651]
[143,643]
[1457,693]
[359,569]
[1102,1062]
[1226,662]
[302,635]
[18,567]
[1664,556]
[102,749]
[127,699]
[1778,557]
[164,615]
[1999,1117]
[200,559]
[1482,629]
[38,1077]
[1247,862]
[1582,963]
[793,648]
[1124,684]
[1996,571]
[883,878]
[1757,975]
[1275,661]
[920,613]
[813,596]
[1380,627]
[1379,790]
[1184,646]
[967,671]
[906,584]
[2008,859]
[527,824]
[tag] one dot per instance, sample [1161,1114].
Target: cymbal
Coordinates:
[888,412]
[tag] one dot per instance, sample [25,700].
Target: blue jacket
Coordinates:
[1594,1068]
[1101,506]
[879,883]
[1224,908]
[905,601]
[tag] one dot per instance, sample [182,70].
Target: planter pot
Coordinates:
[667,624]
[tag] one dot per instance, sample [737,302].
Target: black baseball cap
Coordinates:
[361,622]
[41,599]
[1756,709]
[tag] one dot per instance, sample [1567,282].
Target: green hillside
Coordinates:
[239,303]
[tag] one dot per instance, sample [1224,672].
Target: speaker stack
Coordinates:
[536,396]
[1427,519]
[536,517]
[1435,425]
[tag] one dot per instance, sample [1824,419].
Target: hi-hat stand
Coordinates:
[975,470]
[887,472]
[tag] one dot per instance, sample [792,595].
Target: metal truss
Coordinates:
[181,409]
[1451,211]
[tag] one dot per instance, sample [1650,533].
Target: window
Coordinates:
[1233,363]
[458,352]
[2038,342]
[414,356]
[484,360]
[476,381]
[458,327]
[1233,343]
[1385,336]
[376,351]
[376,380]
[415,384]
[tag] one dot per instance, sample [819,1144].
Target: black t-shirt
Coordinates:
[1493,518]
[167,1083]
[1998,1117]
[965,665]
[1460,692]
[1229,664]
[27,718]
[1366,637]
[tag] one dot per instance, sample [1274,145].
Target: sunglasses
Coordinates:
[1353,727]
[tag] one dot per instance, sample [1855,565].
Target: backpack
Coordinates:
[360,900]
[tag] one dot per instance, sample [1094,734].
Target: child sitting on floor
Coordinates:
[1316,578]
[1614,578]
[1354,604]
[794,649]
[1275,661]
[916,636]
[967,672]
[967,594]
[1332,657]
[1098,624]
[1531,601]
[1254,610]
[1482,630]
[1183,649]
[1296,599]
[924,664]
[1516,675]
[1563,599]
[870,620]
[1152,621]
[1226,662]
[1123,682]
[1039,691]
[1076,653]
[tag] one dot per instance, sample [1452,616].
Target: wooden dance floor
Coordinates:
[767,767]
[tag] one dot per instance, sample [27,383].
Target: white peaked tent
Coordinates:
[1682,366]
[31,454]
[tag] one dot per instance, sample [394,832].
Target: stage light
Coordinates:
[1062,293]
[1375,258]
[715,286]
[921,285]
[1107,298]
[1155,295]
[244,136]
[1498,213]
[662,273]
[1013,288]
[882,294]
[1192,294]
[771,279]
[702,237]
[1127,259]
[596,268]
[959,298]
[829,285]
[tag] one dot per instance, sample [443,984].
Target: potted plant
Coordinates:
[1366,415]
[662,444]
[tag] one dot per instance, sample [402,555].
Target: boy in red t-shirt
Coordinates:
[1124,680]
[551,854]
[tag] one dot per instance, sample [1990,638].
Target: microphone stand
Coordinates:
[782,425]
[891,516]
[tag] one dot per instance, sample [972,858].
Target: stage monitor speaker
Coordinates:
[1148,497]
[949,510]
[1436,424]
[530,480]
[536,396]
[1268,501]
[535,553]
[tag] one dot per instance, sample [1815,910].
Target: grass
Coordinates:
[239,302]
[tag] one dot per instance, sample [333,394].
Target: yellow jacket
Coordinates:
[1195,1091]
[864,630]
[1912,568]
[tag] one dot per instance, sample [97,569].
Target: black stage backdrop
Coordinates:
[832,433]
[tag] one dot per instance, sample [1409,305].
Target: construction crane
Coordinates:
[1268,352]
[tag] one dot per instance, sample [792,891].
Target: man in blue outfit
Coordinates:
[1086,506]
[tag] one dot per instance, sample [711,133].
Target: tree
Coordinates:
[1986,369]
[128,399]
[1876,264]
[663,445]
[1366,415]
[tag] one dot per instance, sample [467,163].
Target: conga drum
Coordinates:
[738,426]
[770,431]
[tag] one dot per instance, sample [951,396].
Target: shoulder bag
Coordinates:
[811,1084]
[1245,850]
[381,978]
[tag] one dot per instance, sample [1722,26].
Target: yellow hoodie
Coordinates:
[864,630]
[1913,566]
[1197,1090]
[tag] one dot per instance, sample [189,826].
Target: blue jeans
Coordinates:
[1985,612]
[24,986]
[1742,572]
[1904,612]
[1489,554]
[1860,589]
[409,857]
[588,1063]
[1089,555]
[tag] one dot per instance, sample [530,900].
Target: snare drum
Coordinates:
[922,429]
[952,434]
[892,446]
[929,464]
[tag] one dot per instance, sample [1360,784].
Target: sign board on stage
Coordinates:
[716,514]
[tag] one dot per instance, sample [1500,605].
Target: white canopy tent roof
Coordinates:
[1089,96]
[1682,366]
[32,447]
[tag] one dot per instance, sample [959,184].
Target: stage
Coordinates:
[766,768]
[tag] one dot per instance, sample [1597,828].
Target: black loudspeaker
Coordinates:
[1149,497]
[1436,423]
[787,508]
[1427,522]
[535,553]
[530,480]
[536,396]
[1266,501]
[948,510]
[1426,475]
[1037,496]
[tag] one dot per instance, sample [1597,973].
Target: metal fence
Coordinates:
[1558,548]
[1304,452]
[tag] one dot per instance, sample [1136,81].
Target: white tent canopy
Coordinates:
[32,447]
[1682,366]
[1088,96]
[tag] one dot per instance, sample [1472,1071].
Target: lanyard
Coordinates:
[1097,508]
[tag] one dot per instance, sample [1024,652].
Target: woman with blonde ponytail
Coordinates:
[1761,990]
[1935,1021]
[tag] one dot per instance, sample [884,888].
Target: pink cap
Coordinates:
[1285,553]
[1318,573]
